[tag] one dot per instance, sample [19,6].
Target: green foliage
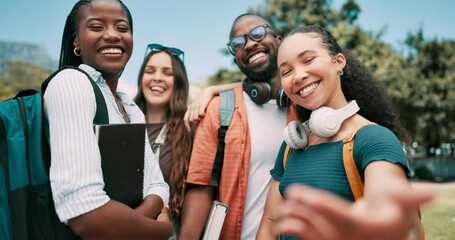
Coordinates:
[16,76]
[432,95]
[288,14]
[226,76]
[5,91]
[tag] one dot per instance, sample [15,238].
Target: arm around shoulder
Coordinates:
[196,109]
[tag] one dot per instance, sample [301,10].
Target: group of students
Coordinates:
[307,66]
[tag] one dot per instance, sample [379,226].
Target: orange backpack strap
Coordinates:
[287,152]
[354,179]
[356,183]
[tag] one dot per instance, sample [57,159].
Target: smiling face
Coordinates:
[309,74]
[158,80]
[257,60]
[104,36]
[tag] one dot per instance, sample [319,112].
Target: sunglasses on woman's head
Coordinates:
[155,47]
[256,34]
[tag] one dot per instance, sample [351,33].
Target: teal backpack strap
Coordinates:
[227,102]
[101,115]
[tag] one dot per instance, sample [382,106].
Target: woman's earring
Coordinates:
[341,72]
[77,51]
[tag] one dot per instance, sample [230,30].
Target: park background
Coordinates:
[409,45]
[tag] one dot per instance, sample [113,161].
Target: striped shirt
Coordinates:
[75,173]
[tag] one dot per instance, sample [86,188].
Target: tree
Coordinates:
[225,75]
[18,75]
[287,15]
[432,96]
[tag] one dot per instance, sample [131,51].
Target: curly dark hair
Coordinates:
[181,139]
[359,84]
[67,58]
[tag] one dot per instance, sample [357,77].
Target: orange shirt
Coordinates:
[234,173]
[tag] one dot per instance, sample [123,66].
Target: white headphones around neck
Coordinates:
[324,122]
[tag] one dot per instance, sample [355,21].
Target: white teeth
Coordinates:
[111,50]
[157,88]
[309,88]
[255,57]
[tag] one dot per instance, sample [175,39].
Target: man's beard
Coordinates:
[265,75]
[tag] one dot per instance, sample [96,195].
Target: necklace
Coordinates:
[159,142]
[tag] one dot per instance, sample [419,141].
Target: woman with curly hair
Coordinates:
[337,100]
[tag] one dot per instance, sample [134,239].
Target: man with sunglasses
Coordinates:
[251,143]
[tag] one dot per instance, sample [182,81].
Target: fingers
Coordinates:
[190,114]
[187,121]
[317,214]
[165,209]
[164,215]
[302,221]
[411,197]
[312,197]
[313,214]
[201,111]
[194,114]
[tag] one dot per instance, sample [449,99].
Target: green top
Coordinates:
[321,165]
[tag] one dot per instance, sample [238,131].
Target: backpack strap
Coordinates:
[227,103]
[101,115]
[354,179]
[287,152]
[352,173]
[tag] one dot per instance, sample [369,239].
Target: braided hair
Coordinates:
[67,57]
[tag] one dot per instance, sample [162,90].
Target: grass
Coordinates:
[438,218]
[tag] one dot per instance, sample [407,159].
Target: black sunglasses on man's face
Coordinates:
[256,34]
[155,47]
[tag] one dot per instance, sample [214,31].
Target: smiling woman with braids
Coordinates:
[98,40]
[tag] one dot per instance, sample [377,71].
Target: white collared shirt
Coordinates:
[75,173]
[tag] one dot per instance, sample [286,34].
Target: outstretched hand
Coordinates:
[316,214]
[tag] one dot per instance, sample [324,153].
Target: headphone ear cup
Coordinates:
[295,136]
[282,99]
[324,122]
[259,92]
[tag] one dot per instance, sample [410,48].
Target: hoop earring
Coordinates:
[77,51]
[341,72]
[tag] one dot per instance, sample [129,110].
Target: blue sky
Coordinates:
[200,27]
